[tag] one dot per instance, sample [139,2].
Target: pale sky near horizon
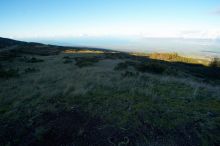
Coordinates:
[114,18]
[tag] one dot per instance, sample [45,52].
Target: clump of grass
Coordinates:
[64,126]
[151,67]
[8,73]
[167,112]
[121,66]
[215,62]
[207,74]
[8,55]
[117,55]
[34,60]
[31,70]
[86,61]
[67,59]
[128,74]
[31,60]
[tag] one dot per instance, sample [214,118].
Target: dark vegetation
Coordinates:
[31,70]
[122,118]
[82,61]
[8,73]
[67,59]
[30,59]
[63,127]
[86,61]
[118,55]
[132,105]
[121,66]
[39,49]
[175,68]
[149,67]
[8,55]
[215,63]
[33,60]
[4,42]
[129,74]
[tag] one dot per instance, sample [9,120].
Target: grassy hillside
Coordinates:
[174,57]
[4,42]
[82,97]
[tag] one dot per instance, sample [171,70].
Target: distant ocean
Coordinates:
[189,47]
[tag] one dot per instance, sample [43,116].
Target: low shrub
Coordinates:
[66,57]
[153,67]
[67,61]
[121,66]
[150,67]
[34,60]
[86,61]
[8,55]
[30,60]
[215,62]
[117,56]
[8,73]
[128,74]
[31,70]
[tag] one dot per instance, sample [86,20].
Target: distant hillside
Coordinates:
[7,45]
[5,42]
[55,95]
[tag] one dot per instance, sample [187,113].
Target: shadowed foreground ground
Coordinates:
[76,98]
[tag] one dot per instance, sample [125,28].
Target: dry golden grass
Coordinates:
[139,54]
[174,57]
[71,51]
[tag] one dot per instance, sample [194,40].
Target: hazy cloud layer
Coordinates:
[213,34]
[217,11]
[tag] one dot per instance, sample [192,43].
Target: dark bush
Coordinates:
[128,74]
[117,55]
[30,60]
[34,60]
[8,73]
[31,70]
[86,61]
[215,62]
[121,66]
[8,55]
[67,61]
[150,67]
[66,57]
[153,67]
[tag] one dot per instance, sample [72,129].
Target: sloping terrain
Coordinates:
[106,98]
[4,42]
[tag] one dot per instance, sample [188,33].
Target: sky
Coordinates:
[25,19]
